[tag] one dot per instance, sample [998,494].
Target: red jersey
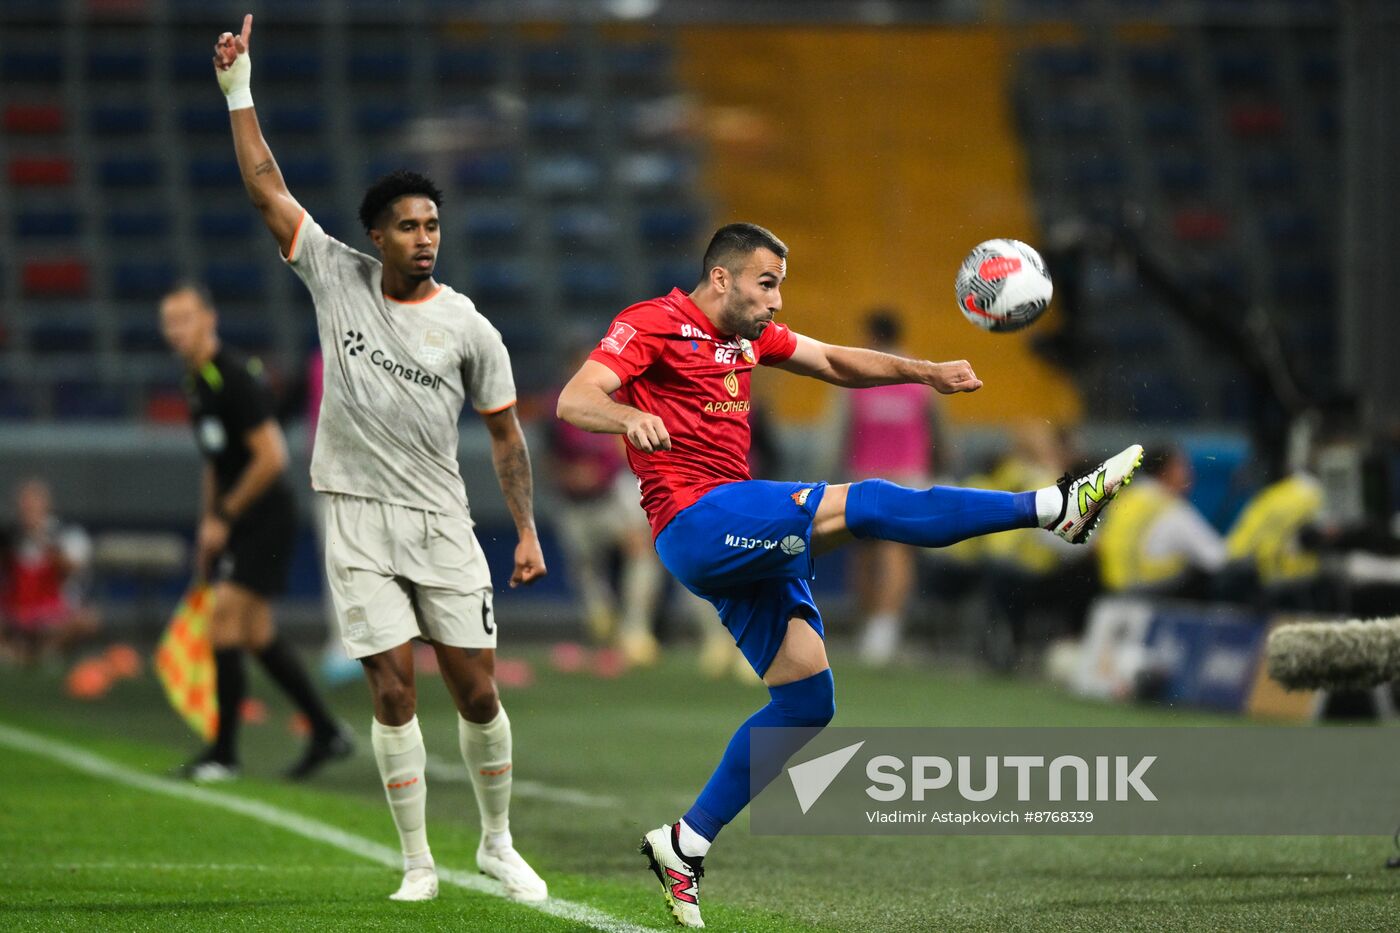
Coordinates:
[674,366]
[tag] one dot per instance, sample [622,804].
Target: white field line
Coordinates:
[292,822]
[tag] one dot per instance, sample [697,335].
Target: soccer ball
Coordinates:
[1003,285]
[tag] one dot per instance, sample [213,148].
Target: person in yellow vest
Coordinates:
[1268,538]
[1155,542]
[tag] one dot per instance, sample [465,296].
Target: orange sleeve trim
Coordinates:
[496,411]
[296,238]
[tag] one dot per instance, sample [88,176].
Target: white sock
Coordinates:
[486,750]
[399,752]
[1049,503]
[693,845]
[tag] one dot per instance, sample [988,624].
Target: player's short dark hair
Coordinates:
[194,287]
[734,242]
[389,189]
[883,325]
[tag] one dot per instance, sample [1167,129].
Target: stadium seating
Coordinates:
[1228,128]
[573,157]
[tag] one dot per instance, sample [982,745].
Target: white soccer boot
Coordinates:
[1087,496]
[505,865]
[419,884]
[679,877]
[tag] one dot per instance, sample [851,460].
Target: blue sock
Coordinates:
[934,517]
[804,703]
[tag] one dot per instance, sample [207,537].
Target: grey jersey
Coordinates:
[396,378]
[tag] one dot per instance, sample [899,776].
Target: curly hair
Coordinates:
[390,188]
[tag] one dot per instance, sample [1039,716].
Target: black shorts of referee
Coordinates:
[258,556]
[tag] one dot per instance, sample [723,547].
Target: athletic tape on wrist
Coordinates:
[240,98]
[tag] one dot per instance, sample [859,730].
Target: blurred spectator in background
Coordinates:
[1269,541]
[1154,541]
[43,575]
[889,433]
[600,514]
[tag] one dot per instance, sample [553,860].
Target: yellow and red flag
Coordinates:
[185,662]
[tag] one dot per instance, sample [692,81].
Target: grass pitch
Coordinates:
[597,763]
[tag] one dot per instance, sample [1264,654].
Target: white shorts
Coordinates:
[397,573]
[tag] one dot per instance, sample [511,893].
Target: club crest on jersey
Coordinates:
[434,347]
[731,383]
[618,338]
[747,349]
[800,497]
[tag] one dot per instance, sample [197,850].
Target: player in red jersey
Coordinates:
[672,375]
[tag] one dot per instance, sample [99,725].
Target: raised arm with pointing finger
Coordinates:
[233,65]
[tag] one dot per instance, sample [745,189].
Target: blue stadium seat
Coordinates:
[302,64]
[1160,395]
[16,401]
[566,116]
[584,226]
[590,282]
[379,66]
[1243,68]
[142,336]
[215,172]
[380,117]
[1305,282]
[208,118]
[191,66]
[1170,120]
[87,400]
[142,279]
[1074,117]
[232,279]
[1157,64]
[1319,68]
[49,223]
[487,171]
[674,273]
[302,171]
[552,64]
[251,335]
[669,226]
[117,65]
[1066,61]
[120,120]
[138,224]
[57,335]
[492,227]
[1290,226]
[499,282]
[1182,171]
[293,119]
[1271,171]
[129,171]
[226,224]
[37,66]
[1101,171]
[476,64]
[639,62]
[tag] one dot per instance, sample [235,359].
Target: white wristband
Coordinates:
[240,99]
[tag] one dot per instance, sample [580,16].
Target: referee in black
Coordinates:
[246,532]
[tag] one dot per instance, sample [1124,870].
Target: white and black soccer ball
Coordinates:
[1003,285]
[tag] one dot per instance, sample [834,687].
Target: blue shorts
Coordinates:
[747,548]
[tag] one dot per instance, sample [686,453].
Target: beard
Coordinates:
[734,320]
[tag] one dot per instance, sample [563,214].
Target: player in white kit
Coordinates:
[403,354]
